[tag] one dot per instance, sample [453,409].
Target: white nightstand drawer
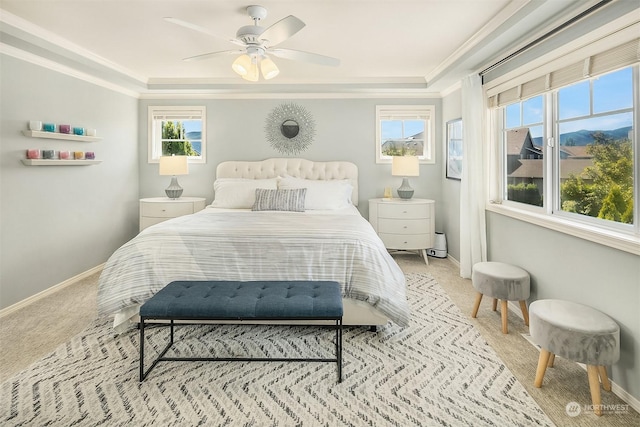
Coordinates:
[157,209]
[406,242]
[166,210]
[147,221]
[400,210]
[403,226]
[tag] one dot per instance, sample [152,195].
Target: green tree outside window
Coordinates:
[174,141]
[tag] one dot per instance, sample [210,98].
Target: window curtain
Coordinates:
[473,234]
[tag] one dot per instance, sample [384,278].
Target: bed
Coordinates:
[315,233]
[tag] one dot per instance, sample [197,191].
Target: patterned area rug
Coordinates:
[437,372]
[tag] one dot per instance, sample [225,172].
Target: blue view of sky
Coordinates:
[392,129]
[192,126]
[611,92]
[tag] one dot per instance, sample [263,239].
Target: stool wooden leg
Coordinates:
[552,359]
[503,313]
[476,305]
[495,304]
[594,386]
[543,360]
[606,384]
[525,313]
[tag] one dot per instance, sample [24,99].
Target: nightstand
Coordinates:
[157,209]
[404,225]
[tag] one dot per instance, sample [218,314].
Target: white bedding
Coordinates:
[232,244]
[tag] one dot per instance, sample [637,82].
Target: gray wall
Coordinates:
[570,268]
[344,130]
[450,201]
[60,221]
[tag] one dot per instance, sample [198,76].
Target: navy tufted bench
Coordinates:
[195,301]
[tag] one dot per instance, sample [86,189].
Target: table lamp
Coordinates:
[174,166]
[405,166]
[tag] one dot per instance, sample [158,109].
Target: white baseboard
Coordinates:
[615,388]
[453,260]
[55,288]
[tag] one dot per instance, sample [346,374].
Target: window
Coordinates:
[594,149]
[177,130]
[523,151]
[571,151]
[405,130]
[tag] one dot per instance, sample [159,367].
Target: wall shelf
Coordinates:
[57,135]
[53,162]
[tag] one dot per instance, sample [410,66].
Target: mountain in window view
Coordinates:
[195,137]
[585,137]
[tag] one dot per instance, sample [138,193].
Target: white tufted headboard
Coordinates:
[299,168]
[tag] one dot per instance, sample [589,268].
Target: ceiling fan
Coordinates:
[258,43]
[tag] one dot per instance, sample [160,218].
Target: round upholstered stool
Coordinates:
[579,333]
[502,282]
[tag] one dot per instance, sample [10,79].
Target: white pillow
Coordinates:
[239,193]
[321,195]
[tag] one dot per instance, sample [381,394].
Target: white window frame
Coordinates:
[408,112]
[154,138]
[624,237]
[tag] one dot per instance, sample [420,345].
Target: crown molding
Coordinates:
[38,36]
[479,37]
[28,42]
[63,69]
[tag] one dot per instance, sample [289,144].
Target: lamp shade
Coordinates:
[174,165]
[254,74]
[269,68]
[242,65]
[405,166]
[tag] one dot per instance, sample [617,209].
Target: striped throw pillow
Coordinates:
[280,200]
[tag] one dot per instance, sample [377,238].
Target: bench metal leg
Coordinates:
[160,358]
[339,348]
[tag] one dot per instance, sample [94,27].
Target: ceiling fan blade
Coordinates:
[200,29]
[282,30]
[299,55]
[213,54]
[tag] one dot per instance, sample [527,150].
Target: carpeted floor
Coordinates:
[28,335]
[437,372]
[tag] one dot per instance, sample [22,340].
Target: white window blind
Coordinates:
[177,115]
[392,113]
[600,63]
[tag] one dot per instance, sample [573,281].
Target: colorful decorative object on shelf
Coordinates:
[78,131]
[48,154]
[33,153]
[89,155]
[64,155]
[49,127]
[78,155]
[65,128]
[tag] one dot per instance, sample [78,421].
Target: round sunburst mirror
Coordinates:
[290,128]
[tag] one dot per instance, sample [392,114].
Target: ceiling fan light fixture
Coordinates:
[254,74]
[242,65]
[269,68]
